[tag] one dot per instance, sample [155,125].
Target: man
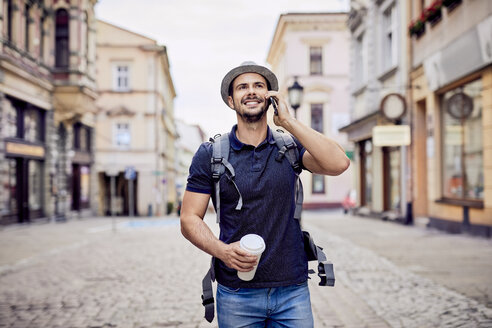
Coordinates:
[278,295]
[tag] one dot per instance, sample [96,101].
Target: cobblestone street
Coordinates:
[82,274]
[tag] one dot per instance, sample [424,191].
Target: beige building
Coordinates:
[314,50]
[191,136]
[451,71]
[379,74]
[135,131]
[47,101]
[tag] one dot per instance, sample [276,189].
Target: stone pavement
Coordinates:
[81,274]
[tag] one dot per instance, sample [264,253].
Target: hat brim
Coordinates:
[235,72]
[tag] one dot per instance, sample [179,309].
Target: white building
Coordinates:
[314,48]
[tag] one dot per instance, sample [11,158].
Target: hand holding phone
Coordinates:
[274,104]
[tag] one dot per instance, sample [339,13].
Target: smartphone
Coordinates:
[274,104]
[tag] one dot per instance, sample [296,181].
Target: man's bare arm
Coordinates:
[199,234]
[323,155]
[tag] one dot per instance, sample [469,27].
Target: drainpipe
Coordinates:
[408,69]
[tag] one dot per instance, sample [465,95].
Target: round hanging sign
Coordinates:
[393,106]
[459,105]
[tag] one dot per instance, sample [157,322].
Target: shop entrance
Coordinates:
[24,190]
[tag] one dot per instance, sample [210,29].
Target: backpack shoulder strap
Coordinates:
[288,148]
[219,164]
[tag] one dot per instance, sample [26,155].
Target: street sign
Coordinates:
[130,173]
[391,135]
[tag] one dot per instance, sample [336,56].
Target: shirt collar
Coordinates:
[238,145]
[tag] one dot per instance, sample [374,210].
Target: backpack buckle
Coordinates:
[281,154]
[207,301]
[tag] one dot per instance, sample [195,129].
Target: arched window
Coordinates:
[62,37]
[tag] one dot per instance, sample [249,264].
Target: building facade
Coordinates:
[313,49]
[451,71]
[136,134]
[47,102]
[190,137]
[378,65]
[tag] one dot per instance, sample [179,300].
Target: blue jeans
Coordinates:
[288,306]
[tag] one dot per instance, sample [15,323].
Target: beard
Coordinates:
[252,117]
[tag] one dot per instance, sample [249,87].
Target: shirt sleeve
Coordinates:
[200,173]
[301,150]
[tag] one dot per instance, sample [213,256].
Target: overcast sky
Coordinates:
[205,39]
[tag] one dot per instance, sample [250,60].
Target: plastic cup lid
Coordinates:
[252,243]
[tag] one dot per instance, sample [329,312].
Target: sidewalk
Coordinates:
[82,274]
[408,276]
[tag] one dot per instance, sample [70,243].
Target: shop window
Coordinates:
[85,186]
[8,190]
[318,184]
[62,54]
[121,77]
[317,117]
[366,172]
[35,185]
[462,159]
[392,166]
[316,60]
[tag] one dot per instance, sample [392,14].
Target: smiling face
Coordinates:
[248,96]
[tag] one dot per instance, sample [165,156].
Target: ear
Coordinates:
[231,102]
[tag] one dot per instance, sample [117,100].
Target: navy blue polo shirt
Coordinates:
[268,190]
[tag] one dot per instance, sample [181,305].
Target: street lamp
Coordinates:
[295,95]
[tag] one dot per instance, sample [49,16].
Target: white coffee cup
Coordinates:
[254,245]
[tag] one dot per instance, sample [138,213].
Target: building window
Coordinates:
[122,135]
[62,54]
[121,77]
[10,17]
[463,145]
[359,61]
[27,9]
[317,117]
[42,21]
[11,113]
[318,184]
[24,121]
[33,124]
[81,137]
[389,42]
[316,60]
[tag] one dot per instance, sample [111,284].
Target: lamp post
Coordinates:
[295,95]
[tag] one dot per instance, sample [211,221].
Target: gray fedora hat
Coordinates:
[247,67]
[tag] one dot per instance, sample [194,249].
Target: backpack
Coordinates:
[220,165]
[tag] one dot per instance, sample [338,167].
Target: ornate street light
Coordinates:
[295,95]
